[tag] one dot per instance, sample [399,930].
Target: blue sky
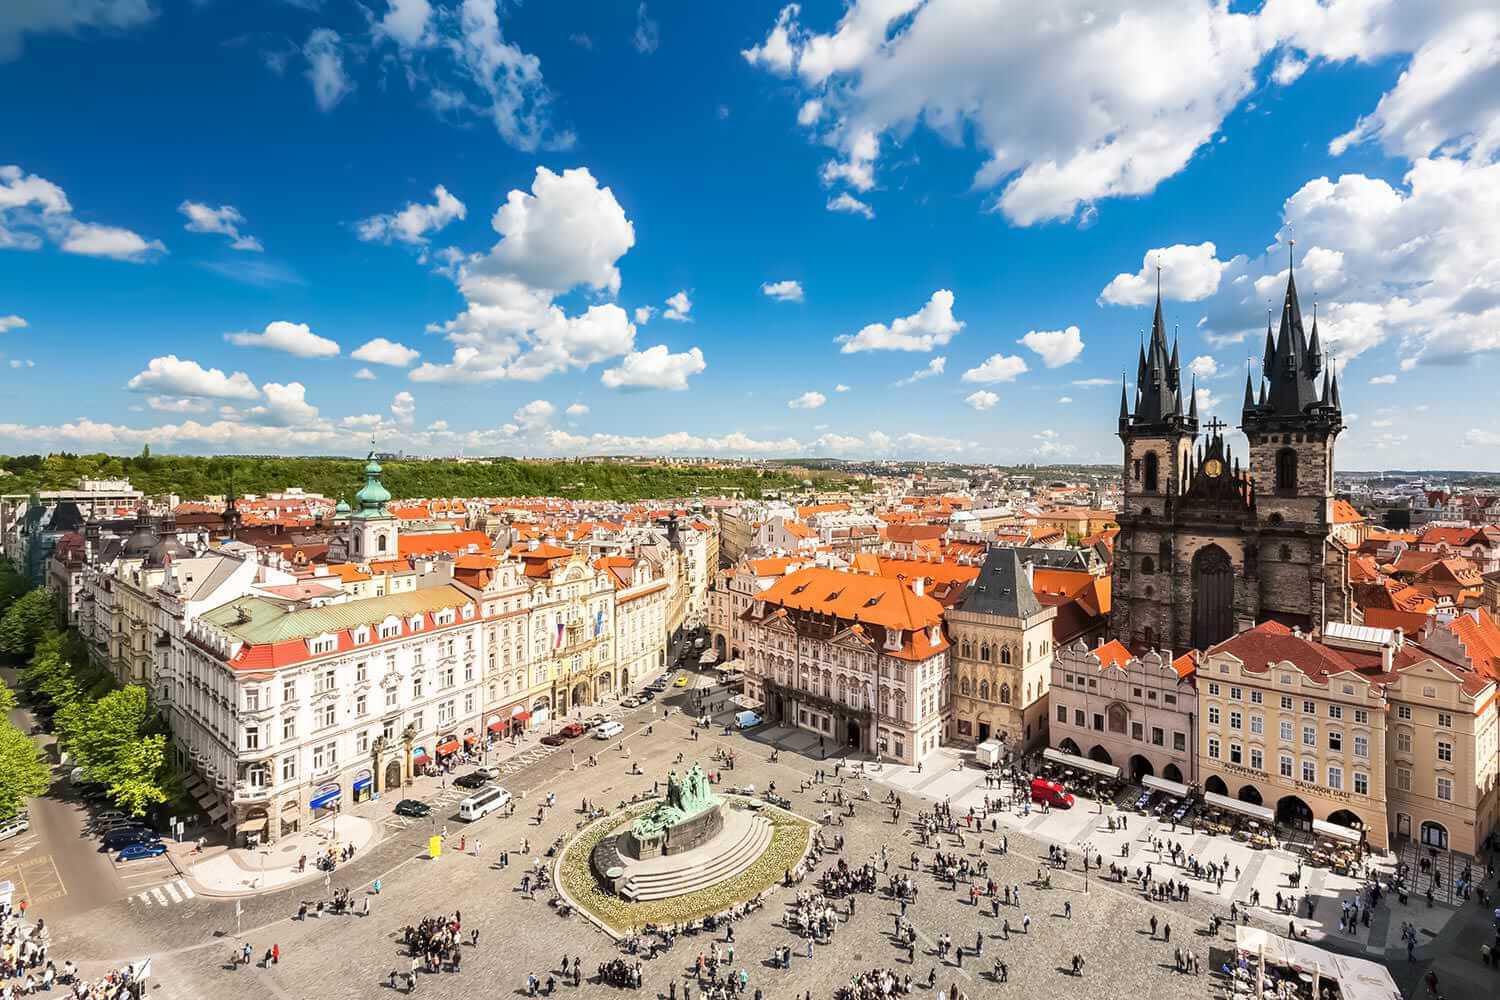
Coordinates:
[900,228]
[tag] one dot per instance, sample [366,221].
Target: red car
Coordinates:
[1051,793]
[571,730]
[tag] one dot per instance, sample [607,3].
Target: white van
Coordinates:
[747,720]
[608,730]
[15,826]
[483,803]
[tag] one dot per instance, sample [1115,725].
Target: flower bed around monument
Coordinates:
[790,837]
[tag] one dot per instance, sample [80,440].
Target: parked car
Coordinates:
[1052,793]
[572,730]
[471,780]
[608,731]
[682,681]
[553,740]
[118,840]
[414,808]
[595,720]
[116,824]
[629,701]
[646,695]
[490,772]
[107,817]
[16,825]
[146,849]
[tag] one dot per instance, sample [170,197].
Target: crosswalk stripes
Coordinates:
[167,894]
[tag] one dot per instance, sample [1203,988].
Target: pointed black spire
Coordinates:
[1124,411]
[1174,367]
[1193,406]
[1249,392]
[1334,401]
[1314,348]
[1269,358]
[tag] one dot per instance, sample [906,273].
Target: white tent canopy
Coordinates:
[1323,828]
[1163,785]
[1235,805]
[1082,763]
[1358,978]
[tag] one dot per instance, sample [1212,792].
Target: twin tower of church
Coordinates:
[1209,543]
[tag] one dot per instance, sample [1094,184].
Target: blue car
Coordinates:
[136,852]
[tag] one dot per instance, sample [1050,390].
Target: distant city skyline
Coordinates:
[867,230]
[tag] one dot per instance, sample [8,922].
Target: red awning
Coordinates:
[419,757]
[498,726]
[448,746]
[521,716]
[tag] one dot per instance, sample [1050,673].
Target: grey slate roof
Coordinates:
[1001,588]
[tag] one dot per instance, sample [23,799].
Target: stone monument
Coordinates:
[690,815]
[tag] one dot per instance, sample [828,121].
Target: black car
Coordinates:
[412,808]
[123,837]
[471,780]
[553,740]
[646,694]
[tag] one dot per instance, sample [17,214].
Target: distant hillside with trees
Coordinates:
[194,476]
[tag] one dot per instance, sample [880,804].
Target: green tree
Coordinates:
[7,700]
[114,722]
[26,621]
[137,776]
[12,585]
[23,772]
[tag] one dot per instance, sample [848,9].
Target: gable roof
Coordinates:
[1001,588]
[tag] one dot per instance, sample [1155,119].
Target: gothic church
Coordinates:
[1209,546]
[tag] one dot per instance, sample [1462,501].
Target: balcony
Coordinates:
[253,793]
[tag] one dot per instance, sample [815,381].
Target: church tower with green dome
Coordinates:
[372,529]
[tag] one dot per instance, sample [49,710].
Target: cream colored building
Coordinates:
[1002,656]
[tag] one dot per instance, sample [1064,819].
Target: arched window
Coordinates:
[379,543]
[1286,469]
[1149,483]
[1005,655]
[1286,553]
[984,651]
[1005,694]
[967,650]
[1028,652]
[1148,566]
[984,690]
[963,687]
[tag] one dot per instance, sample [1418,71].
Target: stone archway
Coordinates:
[1346,817]
[720,646]
[1292,811]
[1100,754]
[1250,794]
[1216,785]
[1140,767]
[393,775]
[579,695]
[1069,747]
[1172,773]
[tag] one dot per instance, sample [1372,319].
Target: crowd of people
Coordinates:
[876,985]
[433,945]
[26,968]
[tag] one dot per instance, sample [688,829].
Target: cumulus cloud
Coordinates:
[934,367]
[35,211]
[292,338]
[983,399]
[678,307]
[22,363]
[1065,399]
[224,220]
[325,68]
[385,352]
[783,291]
[643,314]
[1049,445]
[365,375]
[841,387]
[177,404]
[285,406]
[534,414]
[172,376]
[647,35]
[1055,347]
[406,22]
[931,327]
[566,233]
[12,322]
[404,409]
[414,223]
[807,401]
[19,19]
[502,80]
[1204,366]
[997,368]
[655,368]
[91,240]
[846,202]
[577,410]
[1383,380]
[1188,274]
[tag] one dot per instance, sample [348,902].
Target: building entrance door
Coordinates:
[984,732]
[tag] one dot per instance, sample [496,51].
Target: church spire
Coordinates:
[1249,392]
[1314,348]
[1193,405]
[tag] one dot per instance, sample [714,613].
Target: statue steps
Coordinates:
[698,873]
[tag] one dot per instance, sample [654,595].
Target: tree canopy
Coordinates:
[23,772]
[26,621]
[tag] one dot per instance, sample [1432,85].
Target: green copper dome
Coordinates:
[373,496]
[342,507]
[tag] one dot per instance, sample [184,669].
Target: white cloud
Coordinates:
[325,68]
[177,404]
[1288,70]
[1188,274]
[34,210]
[1049,445]
[643,314]
[1383,380]
[12,322]
[534,414]
[983,399]
[293,338]
[655,368]
[841,387]
[1382,423]
[997,368]
[1477,437]
[22,363]
[168,375]
[415,222]
[438,425]
[1090,383]
[407,23]
[36,17]
[224,220]
[1207,400]
[577,410]
[809,113]
[846,202]
[1055,347]
[778,51]
[934,367]
[1204,366]
[285,406]
[385,352]
[514,94]
[678,307]
[365,375]
[91,240]
[647,34]
[404,409]
[783,291]
[568,232]
[932,327]
[1065,399]
[807,401]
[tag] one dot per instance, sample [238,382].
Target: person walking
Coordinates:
[275,954]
